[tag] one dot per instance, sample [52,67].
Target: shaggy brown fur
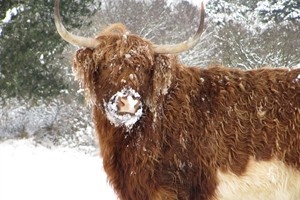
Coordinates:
[195,120]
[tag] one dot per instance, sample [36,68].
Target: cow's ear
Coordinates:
[83,63]
[161,80]
[84,68]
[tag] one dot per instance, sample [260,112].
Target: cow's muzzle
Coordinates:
[124,108]
[128,105]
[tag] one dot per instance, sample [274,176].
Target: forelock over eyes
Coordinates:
[129,49]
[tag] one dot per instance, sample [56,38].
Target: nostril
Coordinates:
[128,105]
[120,102]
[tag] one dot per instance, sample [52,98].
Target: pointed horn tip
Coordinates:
[187,44]
[69,37]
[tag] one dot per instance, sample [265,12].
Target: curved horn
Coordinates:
[186,45]
[69,37]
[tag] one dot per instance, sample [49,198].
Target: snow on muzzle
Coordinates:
[124,108]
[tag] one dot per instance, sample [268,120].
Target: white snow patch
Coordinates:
[132,102]
[127,56]
[31,171]
[9,14]
[297,79]
[42,61]
[12,12]
[111,109]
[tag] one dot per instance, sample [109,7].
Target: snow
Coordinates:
[194,2]
[132,102]
[297,78]
[31,171]
[111,109]
[42,61]
[9,14]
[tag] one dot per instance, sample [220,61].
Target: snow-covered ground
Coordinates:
[33,172]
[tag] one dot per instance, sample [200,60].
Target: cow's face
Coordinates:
[122,72]
[118,74]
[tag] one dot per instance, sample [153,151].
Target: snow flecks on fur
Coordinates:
[163,75]
[298,78]
[111,109]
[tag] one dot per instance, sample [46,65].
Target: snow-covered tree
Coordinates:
[246,40]
[28,45]
[279,10]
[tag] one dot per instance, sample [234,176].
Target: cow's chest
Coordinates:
[263,180]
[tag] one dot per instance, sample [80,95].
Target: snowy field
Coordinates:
[33,172]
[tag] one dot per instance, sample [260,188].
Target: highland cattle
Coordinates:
[168,131]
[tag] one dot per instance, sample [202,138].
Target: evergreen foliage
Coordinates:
[29,43]
[279,11]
